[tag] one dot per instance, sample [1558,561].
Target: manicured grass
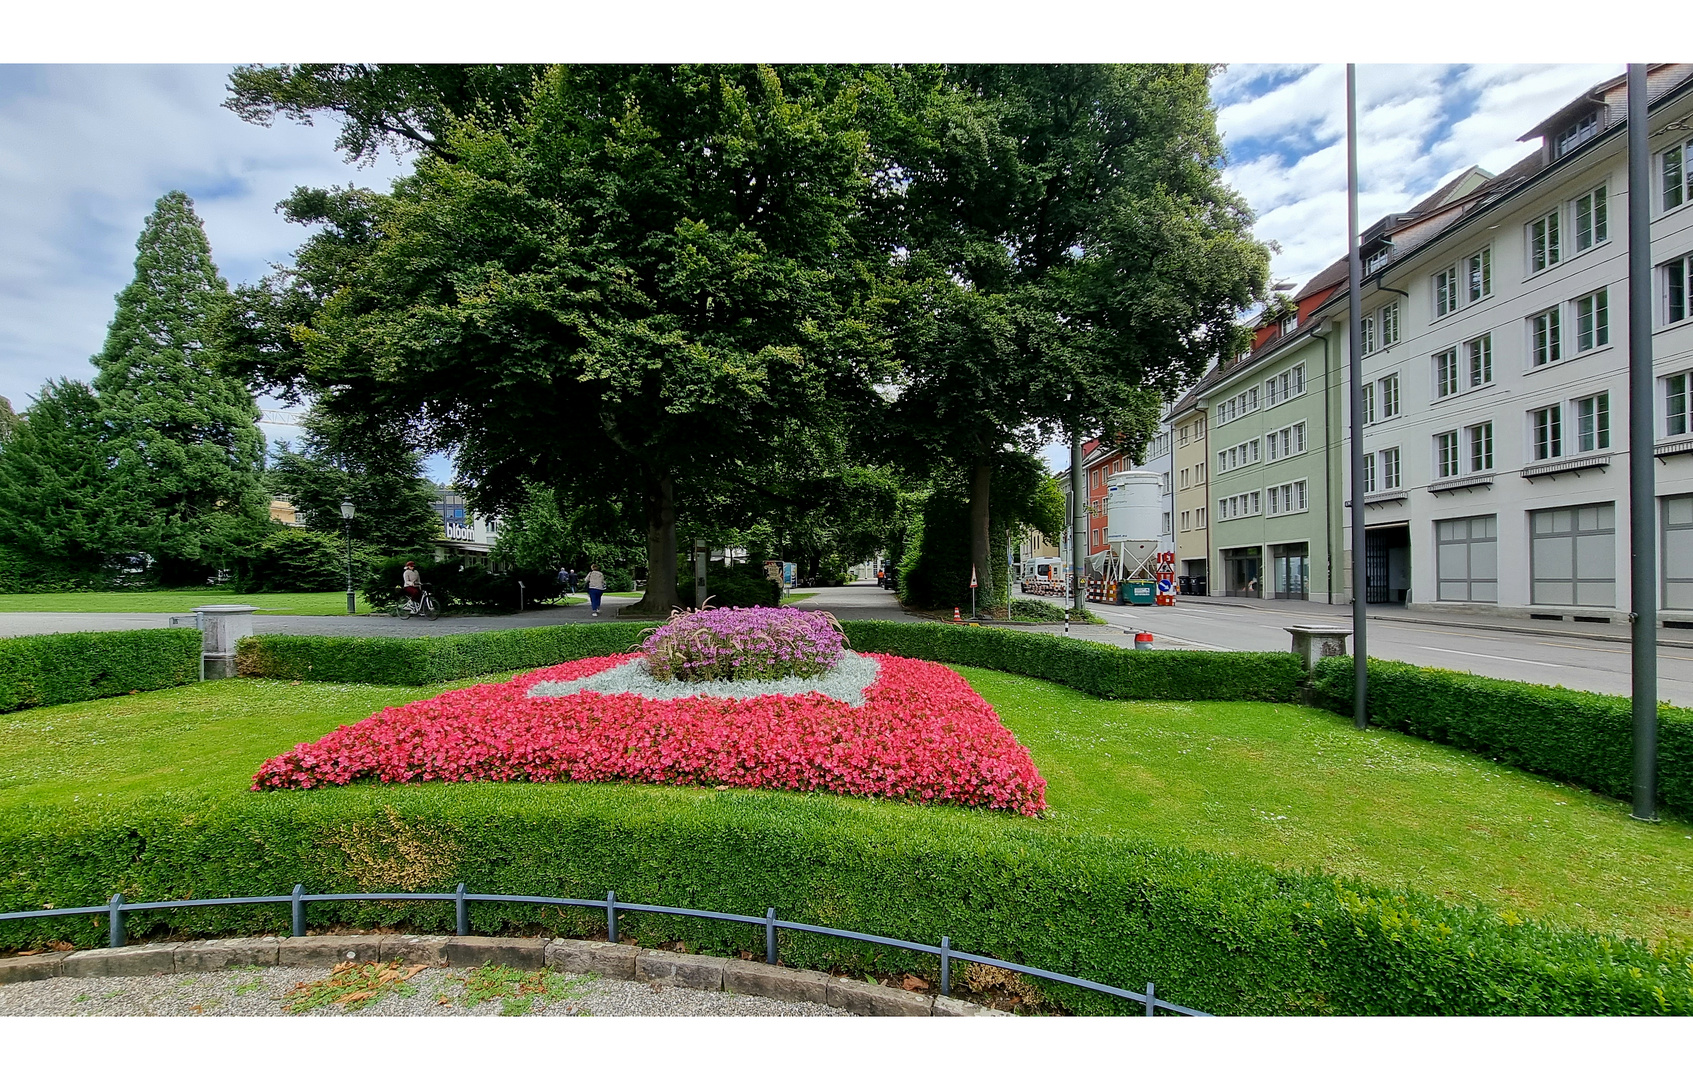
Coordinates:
[180,601]
[794,598]
[1289,786]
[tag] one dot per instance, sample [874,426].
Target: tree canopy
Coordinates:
[369,465]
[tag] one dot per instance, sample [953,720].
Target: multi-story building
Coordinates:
[1496,346]
[463,534]
[1189,454]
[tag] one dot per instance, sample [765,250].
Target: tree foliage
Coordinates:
[183,438]
[367,463]
[8,420]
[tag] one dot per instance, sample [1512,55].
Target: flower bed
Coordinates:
[921,735]
[744,643]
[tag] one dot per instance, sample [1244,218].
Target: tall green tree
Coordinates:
[367,463]
[183,436]
[59,504]
[8,420]
[1070,255]
[618,293]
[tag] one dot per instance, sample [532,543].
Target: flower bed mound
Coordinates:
[921,735]
[744,643]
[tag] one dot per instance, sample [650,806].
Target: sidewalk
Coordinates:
[1304,611]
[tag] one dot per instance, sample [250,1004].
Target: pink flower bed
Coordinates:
[922,735]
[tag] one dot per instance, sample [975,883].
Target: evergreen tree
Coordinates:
[185,438]
[59,507]
[370,465]
[8,419]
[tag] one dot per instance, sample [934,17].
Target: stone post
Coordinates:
[221,626]
[1313,643]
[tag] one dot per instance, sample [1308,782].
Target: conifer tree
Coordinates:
[8,419]
[184,438]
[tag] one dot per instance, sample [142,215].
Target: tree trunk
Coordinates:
[661,596]
[981,483]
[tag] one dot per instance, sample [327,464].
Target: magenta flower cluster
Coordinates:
[744,643]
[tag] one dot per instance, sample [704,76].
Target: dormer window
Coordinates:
[1289,324]
[1377,261]
[1576,134]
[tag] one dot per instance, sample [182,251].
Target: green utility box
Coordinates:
[1140,592]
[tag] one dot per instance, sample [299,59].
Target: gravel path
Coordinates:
[430,992]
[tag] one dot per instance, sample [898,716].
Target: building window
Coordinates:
[1369,473]
[1390,325]
[1289,384]
[1369,396]
[1446,291]
[1677,420]
[1446,373]
[1199,427]
[1592,321]
[1096,538]
[1548,427]
[1467,559]
[1181,437]
[1165,529]
[1199,473]
[1287,498]
[1446,454]
[1576,134]
[1543,242]
[1289,324]
[1390,468]
[1186,520]
[1593,424]
[1545,338]
[1199,518]
[1479,353]
[1246,504]
[1286,442]
[1238,406]
[1590,225]
[1185,484]
[1367,334]
[1674,275]
[1677,179]
[1676,513]
[1478,275]
[1390,396]
[1481,447]
[1572,556]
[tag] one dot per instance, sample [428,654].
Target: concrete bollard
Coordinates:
[1313,643]
[221,626]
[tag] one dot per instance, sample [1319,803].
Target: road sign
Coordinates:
[972,575]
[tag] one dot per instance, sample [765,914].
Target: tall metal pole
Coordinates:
[1079,538]
[1355,289]
[347,528]
[1642,507]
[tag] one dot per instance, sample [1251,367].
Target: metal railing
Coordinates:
[116,908]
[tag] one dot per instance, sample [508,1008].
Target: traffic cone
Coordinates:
[957,618]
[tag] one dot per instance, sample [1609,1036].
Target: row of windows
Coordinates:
[1380,328]
[1273,501]
[1193,519]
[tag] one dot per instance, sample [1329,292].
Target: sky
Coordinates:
[85,151]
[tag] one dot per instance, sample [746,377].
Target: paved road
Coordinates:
[1593,658]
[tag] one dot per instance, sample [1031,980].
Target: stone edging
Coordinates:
[652,966]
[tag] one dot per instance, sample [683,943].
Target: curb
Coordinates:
[653,967]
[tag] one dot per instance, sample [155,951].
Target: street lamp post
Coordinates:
[347,528]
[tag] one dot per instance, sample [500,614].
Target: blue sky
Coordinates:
[86,150]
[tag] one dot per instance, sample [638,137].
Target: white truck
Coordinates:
[1043,577]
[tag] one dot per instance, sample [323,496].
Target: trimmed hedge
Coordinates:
[418,661]
[1572,735]
[55,669]
[1092,667]
[1101,670]
[1214,932]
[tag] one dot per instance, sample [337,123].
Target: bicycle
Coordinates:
[424,605]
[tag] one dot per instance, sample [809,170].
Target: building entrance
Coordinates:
[1243,572]
[1387,564]
[1290,571]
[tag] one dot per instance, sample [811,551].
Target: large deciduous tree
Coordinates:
[371,466]
[1070,256]
[183,436]
[619,290]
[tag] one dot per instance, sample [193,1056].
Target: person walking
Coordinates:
[567,579]
[596,587]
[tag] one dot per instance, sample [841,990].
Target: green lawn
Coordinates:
[180,601]
[1286,785]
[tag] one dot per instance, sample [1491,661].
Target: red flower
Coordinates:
[922,734]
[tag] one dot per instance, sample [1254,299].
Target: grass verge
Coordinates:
[159,601]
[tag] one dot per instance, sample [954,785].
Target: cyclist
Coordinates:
[411,582]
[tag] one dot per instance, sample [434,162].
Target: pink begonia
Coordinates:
[922,735]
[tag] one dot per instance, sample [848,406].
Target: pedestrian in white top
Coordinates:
[596,587]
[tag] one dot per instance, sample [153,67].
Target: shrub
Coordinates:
[1215,932]
[456,583]
[742,585]
[1036,611]
[1573,735]
[300,560]
[54,669]
[744,643]
[1089,666]
[419,661]
[618,579]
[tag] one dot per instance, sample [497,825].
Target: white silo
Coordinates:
[1133,522]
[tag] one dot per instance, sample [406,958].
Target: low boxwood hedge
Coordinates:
[1573,735]
[55,669]
[1101,670]
[1214,932]
[419,661]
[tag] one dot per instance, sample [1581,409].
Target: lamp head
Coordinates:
[346,510]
